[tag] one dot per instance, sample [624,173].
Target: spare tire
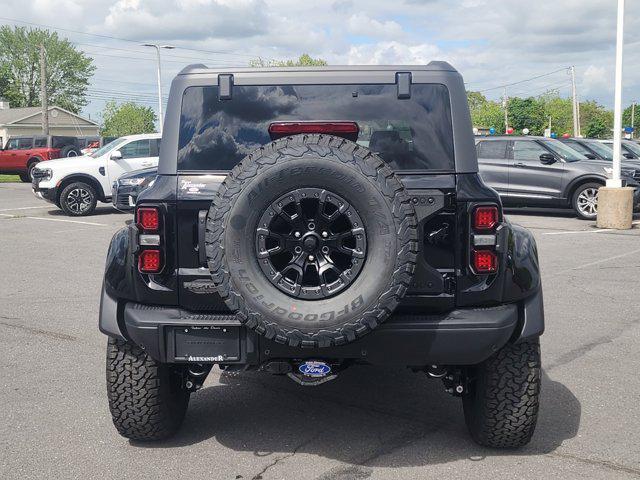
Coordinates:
[312,240]
[69,151]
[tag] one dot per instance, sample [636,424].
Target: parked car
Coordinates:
[630,149]
[91,144]
[76,185]
[273,239]
[530,171]
[21,154]
[127,188]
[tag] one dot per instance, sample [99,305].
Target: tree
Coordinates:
[626,117]
[68,70]
[597,128]
[127,119]
[560,110]
[527,113]
[305,60]
[485,113]
[595,120]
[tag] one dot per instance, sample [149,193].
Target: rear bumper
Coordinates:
[460,337]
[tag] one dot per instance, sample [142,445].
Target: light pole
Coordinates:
[158,47]
[615,180]
[615,202]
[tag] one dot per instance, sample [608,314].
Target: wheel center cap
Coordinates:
[310,243]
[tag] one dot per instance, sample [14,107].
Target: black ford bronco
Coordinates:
[307,219]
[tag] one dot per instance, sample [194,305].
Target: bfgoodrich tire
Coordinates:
[306,174]
[501,406]
[78,199]
[146,399]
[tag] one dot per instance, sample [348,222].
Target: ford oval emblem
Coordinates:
[314,369]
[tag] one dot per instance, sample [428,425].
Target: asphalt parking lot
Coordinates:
[369,423]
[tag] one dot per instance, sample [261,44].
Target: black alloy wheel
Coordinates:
[311,243]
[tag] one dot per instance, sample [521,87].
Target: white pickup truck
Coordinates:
[76,184]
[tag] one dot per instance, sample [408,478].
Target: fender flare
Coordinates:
[83,177]
[576,182]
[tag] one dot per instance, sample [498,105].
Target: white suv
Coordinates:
[76,184]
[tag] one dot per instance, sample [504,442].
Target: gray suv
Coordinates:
[543,172]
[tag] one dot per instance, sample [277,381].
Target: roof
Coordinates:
[9,116]
[431,66]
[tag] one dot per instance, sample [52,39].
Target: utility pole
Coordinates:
[576,106]
[43,91]
[158,47]
[633,117]
[505,104]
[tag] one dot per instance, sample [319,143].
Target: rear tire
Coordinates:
[585,201]
[146,398]
[25,178]
[501,405]
[78,199]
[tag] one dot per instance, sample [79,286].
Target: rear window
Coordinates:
[409,134]
[60,142]
[494,149]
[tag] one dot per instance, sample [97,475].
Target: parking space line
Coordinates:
[56,220]
[569,232]
[68,221]
[597,262]
[23,208]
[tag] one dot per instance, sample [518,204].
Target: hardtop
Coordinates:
[440,73]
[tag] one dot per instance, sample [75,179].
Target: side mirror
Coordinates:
[590,156]
[116,155]
[547,159]
[628,155]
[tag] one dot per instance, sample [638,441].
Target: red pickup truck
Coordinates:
[21,154]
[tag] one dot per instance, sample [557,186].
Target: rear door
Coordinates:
[529,177]
[23,153]
[493,163]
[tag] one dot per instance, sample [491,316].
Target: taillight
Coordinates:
[485,261]
[150,240]
[347,130]
[485,220]
[148,218]
[150,261]
[485,217]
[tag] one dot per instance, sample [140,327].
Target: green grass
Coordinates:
[9,179]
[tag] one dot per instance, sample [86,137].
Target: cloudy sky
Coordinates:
[492,42]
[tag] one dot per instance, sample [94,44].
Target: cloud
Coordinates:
[361,24]
[489,42]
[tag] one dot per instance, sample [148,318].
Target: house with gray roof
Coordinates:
[27,121]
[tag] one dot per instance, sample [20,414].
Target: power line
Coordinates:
[522,81]
[216,52]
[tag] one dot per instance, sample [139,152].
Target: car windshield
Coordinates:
[600,148]
[634,147]
[568,154]
[109,146]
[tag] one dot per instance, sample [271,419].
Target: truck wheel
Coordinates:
[25,177]
[501,405]
[146,398]
[78,199]
[30,166]
[585,201]
[312,239]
